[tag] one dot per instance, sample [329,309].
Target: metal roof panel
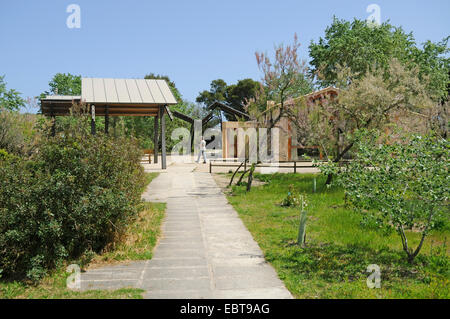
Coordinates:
[131,91]
[111,92]
[122,91]
[167,93]
[144,90]
[87,92]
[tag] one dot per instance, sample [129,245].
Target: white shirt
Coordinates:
[203,145]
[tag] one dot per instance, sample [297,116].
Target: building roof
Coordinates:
[130,91]
[115,97]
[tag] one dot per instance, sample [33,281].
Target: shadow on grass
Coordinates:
[332,262]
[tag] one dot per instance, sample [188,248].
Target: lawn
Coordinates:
[338,246]
[136,244]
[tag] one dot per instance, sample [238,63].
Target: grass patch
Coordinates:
[339,247]
[54,287]
[140,238]
[137,243]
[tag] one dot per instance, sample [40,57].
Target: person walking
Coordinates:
[202,151]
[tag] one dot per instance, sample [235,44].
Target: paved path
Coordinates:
[205,250]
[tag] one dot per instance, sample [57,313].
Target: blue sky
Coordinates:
[193,42]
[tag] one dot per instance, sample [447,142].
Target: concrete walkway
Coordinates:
[205,250]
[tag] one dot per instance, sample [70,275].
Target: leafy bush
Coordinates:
[401,186]
[74,196]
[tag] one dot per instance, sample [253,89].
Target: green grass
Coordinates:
[339,248]
[137,244]
[140,238]
[54,287]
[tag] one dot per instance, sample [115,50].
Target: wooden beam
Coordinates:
[107,120]
[155,139]
[114,126]
[52,114]
[93,120]
[183,117]
[168,112]
[163,138]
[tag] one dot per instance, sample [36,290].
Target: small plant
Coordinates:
[302,227]
[293,198]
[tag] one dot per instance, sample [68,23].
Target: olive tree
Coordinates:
[401,185]
[368,102]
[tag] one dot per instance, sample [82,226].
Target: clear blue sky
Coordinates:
[191,41]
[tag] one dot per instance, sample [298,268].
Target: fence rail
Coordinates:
[281,164]
[235,162]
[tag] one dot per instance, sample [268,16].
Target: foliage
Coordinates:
[360,47]
[293,198]
[399,186]
[18,132]
[64,84]
[369,102]
[75,195]
[236,95]
[9,99]
[140,237]
[284,79]
[333,264]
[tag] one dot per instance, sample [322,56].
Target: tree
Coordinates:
[284,79]
[367,102]
[236,95]
[217,92]
[401,186]
[9,99]
[361,47]
[64,84]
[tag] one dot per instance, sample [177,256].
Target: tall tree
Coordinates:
[217,92]
[284,79]
[367,102]
[360,46]
[236,95]
[64,84]
[9,99]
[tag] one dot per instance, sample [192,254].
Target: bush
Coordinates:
[76,195]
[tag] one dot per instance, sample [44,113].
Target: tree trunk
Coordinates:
[329,179]
[337,160]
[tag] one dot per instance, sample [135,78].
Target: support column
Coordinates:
[114,123]
[93,129]
[106,119]
[155,138]
[163,138]
[52,115]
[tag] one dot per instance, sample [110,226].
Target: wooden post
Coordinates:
[163,138]
[52,114]
[295,167]
[106,119]
[155,139]
[93,120]
[114,126]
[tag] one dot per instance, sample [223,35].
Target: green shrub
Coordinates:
[76,195]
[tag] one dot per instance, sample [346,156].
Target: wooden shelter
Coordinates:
[119,97]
